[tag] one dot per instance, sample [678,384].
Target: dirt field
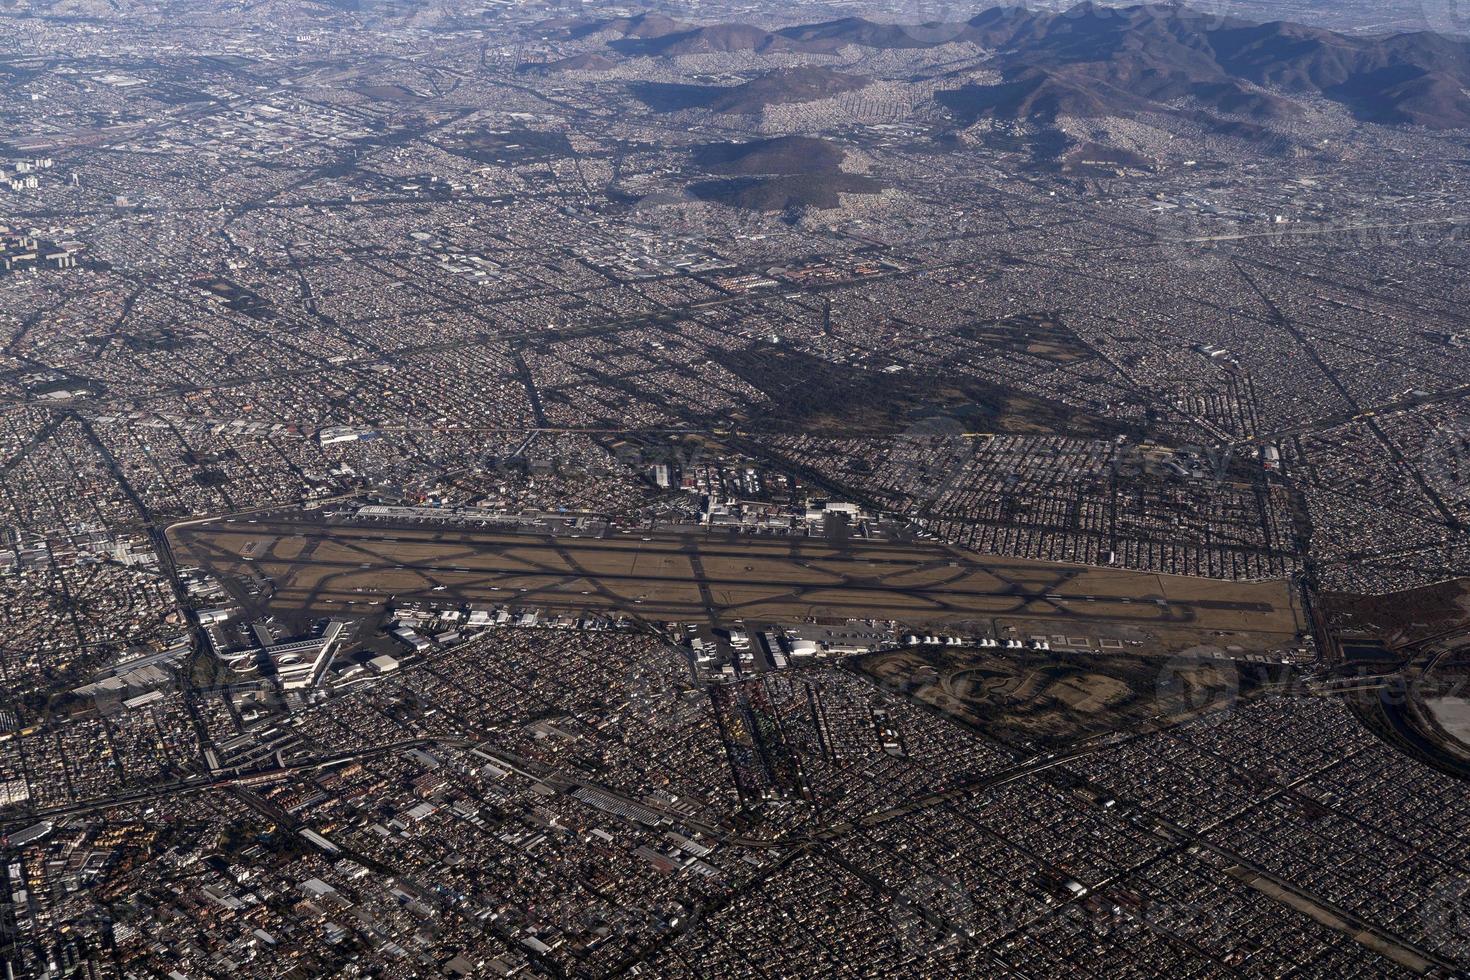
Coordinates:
[1044,700]
[311,566]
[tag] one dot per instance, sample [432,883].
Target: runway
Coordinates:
[323,568]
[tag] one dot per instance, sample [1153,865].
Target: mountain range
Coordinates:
[1093,60]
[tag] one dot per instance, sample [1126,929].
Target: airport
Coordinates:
[316,566]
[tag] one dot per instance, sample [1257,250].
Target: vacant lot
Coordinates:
[1034,700]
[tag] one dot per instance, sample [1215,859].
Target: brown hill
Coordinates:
[788,173]
[782,155]
[785,192]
